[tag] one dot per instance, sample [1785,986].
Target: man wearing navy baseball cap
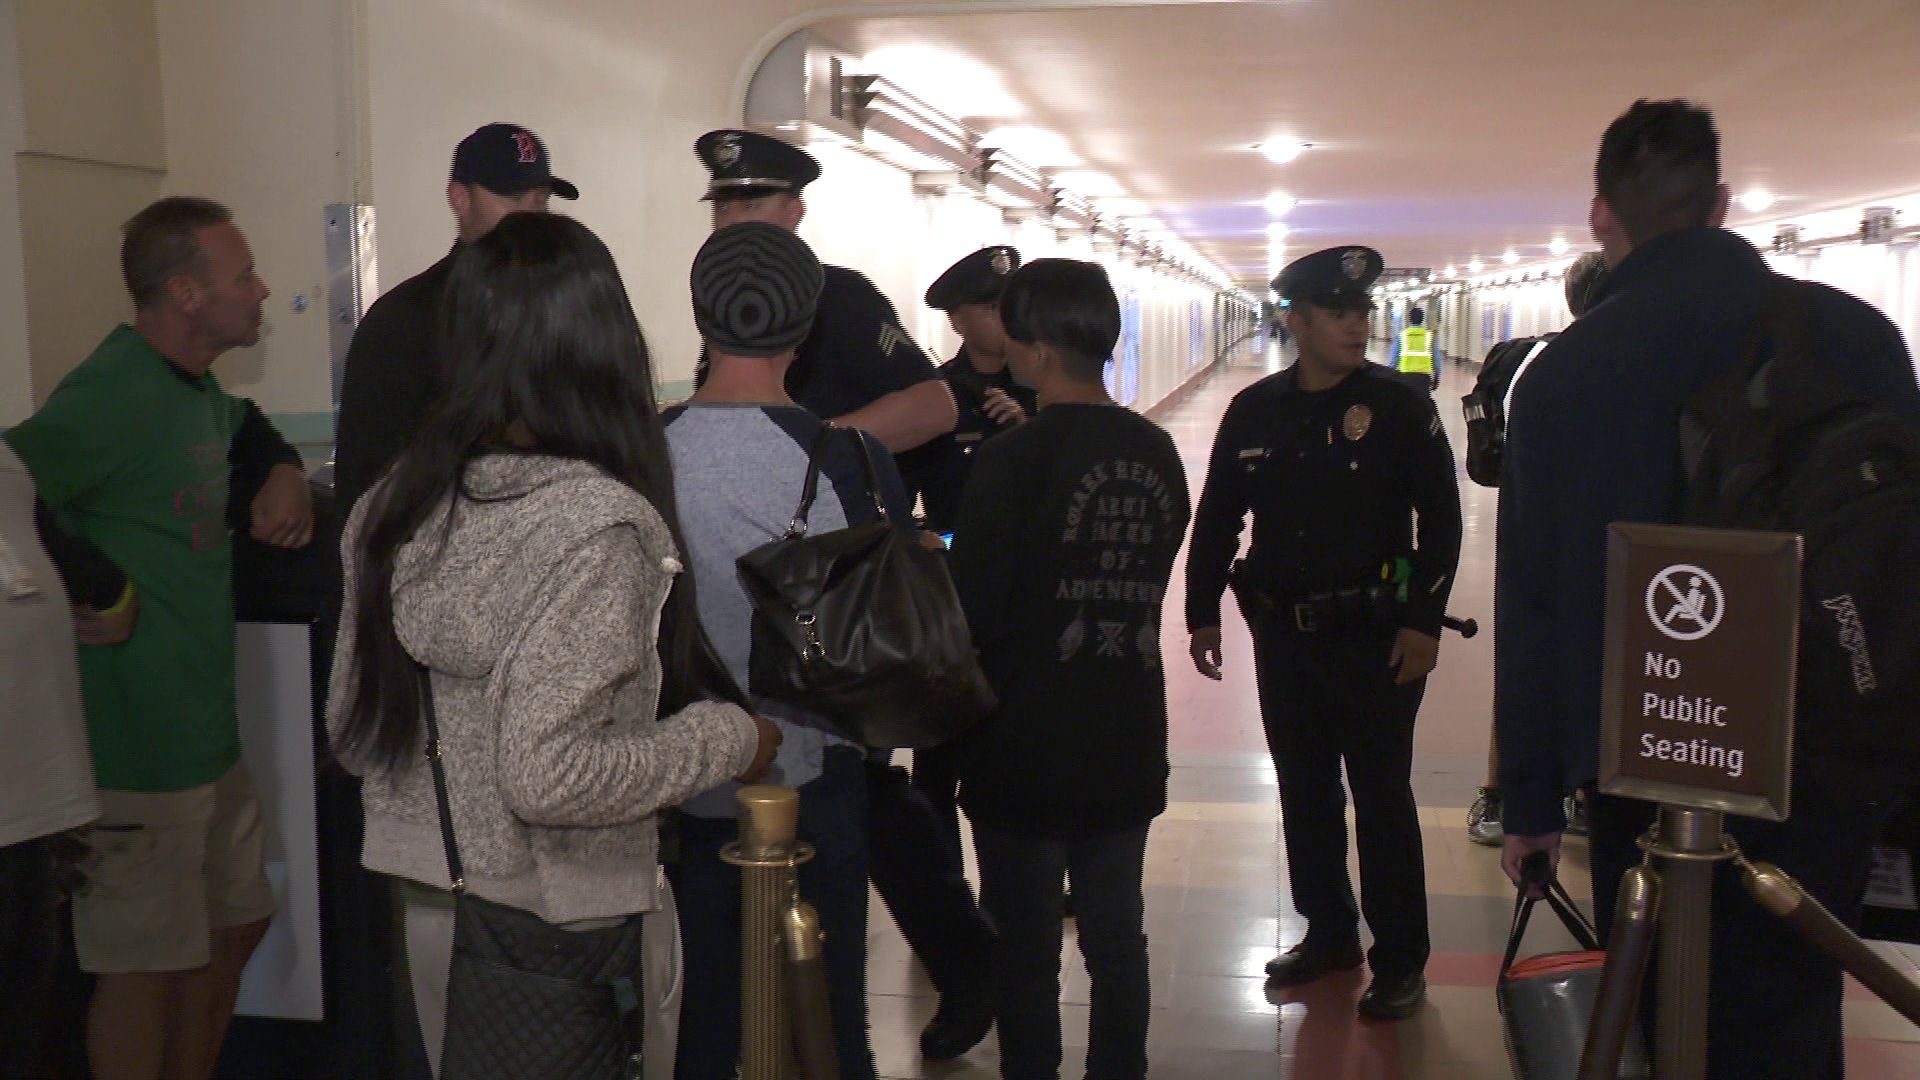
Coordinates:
[389,378]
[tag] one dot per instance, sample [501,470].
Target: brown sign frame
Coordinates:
[1722,650]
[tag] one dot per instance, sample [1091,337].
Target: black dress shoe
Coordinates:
[964,1018]
[1305,963]
[1394,997]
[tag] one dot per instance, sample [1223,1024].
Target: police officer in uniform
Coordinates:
[858,368]
[1335,458]
[989,402]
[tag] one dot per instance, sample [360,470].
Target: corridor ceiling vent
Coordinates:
[1756,200]
[1282,149]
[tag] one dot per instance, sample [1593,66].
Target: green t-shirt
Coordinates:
[132,453]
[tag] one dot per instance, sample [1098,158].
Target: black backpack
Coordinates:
[1486,407]
[1782,443]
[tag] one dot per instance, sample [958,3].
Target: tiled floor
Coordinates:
[1217,897]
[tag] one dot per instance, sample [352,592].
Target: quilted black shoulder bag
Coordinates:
[861,625]
[528,1000]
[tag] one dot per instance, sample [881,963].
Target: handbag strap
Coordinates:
[1557,898]
[454,872]
[811,488]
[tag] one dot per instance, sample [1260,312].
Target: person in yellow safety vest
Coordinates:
[1416,349]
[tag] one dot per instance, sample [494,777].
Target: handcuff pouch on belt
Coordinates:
[1371,608]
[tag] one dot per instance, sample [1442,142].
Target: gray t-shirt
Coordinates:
[737,474]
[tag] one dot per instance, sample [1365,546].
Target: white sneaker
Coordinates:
[1483,819]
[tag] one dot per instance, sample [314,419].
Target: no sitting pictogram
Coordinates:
[1685,602]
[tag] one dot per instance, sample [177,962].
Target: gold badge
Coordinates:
[1357,422]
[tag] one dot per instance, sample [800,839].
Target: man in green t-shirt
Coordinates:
[133,453]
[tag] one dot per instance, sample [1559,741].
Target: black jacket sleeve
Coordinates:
[91,578]
[1434,489]
[258,446]
[1217,523]
[386,387]
[986,545]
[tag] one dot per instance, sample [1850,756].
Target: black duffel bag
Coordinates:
[862,626]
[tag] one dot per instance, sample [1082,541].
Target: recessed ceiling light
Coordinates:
[1282,149]
[1449,271]
[1510,257]
[1276,232]
[1476,266]
[1756,199]
[1559,245]
[1279,203]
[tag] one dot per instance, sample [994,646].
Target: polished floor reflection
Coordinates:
[1218,905]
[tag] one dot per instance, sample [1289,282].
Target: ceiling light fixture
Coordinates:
[1280,203]
[1449,271]
[1276,232]
[1282,149]
[1559,246]
[1510,257]
[1756,199]
[1476,266]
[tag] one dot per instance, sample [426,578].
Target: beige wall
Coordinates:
[259,113]
[16,376]
[91,155]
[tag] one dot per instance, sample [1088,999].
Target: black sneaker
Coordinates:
[1305,963]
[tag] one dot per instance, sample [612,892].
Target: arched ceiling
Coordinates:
[1440,131]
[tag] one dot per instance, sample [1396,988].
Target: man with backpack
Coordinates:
[1595,437]
[1486,414]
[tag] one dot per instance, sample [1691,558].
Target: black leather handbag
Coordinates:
[861,625]
[528,1000]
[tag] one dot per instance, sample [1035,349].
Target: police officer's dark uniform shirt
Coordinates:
[390,378]
[937,471]
[1329,477]
[857,352]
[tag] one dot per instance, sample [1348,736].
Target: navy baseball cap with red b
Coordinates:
[507,159]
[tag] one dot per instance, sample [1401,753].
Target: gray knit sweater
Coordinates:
[537,615]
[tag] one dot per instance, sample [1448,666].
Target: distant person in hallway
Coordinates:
[392,373]
[991,403]
[136,451]
[524,555]
[858,368]
[1594,439]
[1337,460]
[1416,352]
[1486,409]
[1067,536]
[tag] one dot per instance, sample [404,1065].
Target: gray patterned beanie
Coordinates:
[755,290]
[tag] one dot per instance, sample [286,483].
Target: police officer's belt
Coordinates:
[1372,607]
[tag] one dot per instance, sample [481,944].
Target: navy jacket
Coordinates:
[1593,439]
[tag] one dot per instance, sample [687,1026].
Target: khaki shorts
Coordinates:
[166,870]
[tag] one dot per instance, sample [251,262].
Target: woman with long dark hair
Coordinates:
[524,551]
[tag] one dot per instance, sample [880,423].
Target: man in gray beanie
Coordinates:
[740,448]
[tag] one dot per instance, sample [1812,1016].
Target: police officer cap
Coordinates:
[1337,277]
[976,279]
[747,164]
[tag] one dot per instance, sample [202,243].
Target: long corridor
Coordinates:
[1218,904]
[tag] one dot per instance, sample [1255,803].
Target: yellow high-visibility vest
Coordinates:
[1416,350]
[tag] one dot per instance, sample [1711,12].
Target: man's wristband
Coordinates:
[122,604]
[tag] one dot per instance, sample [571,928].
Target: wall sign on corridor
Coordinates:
[1701,634]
